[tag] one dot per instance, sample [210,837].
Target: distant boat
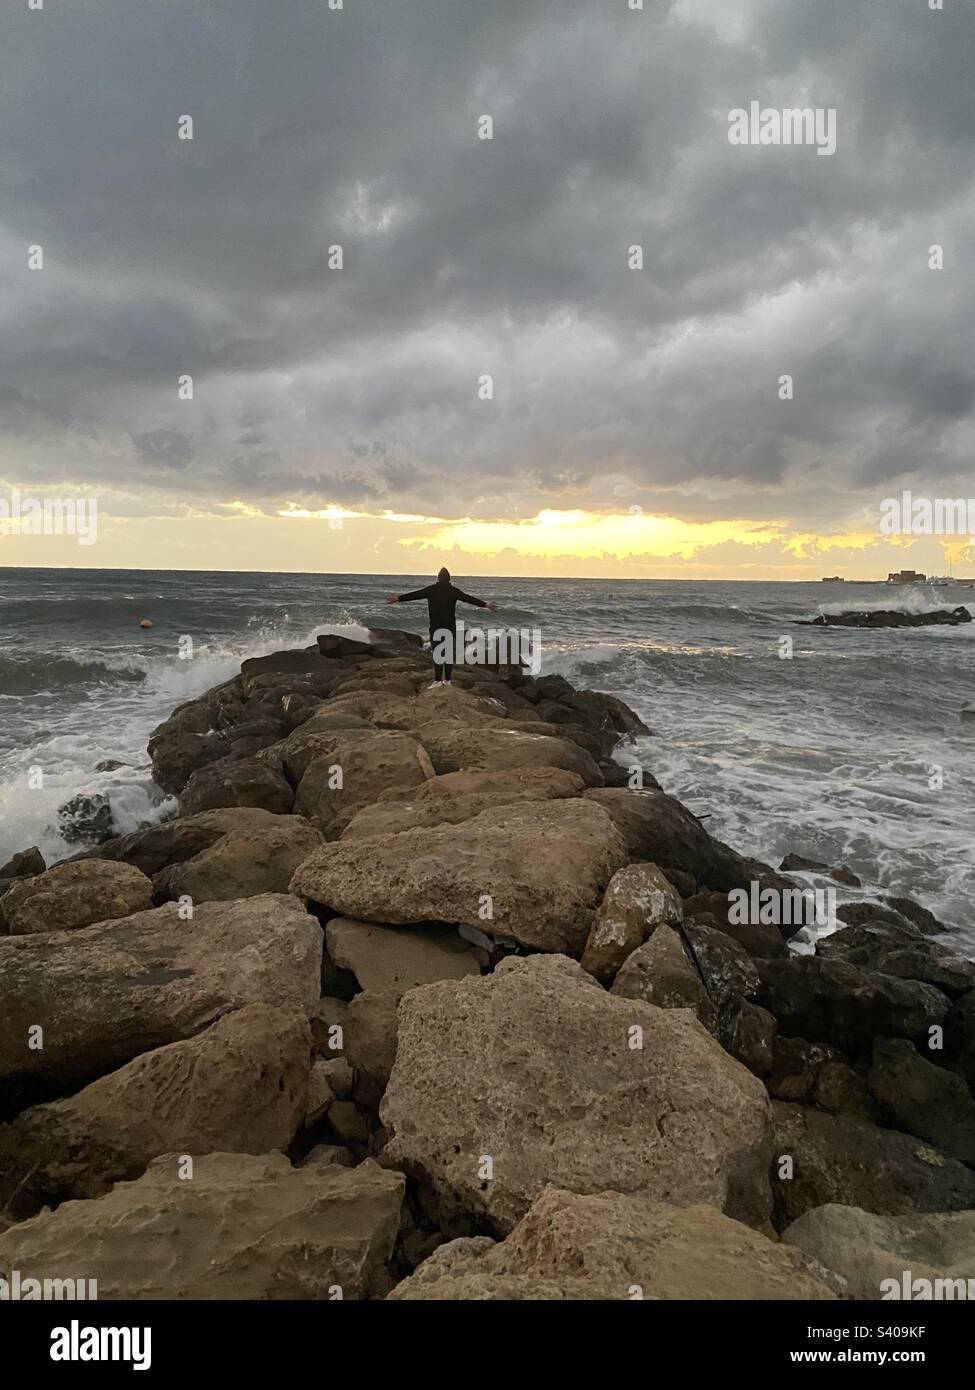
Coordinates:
[948,578]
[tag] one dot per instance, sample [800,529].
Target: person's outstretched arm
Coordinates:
[477,602]
[409,598]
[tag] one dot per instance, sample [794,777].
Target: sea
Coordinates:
[844,745]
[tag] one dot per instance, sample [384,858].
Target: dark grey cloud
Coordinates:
[167,449]
[314,127]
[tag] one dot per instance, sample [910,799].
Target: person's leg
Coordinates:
[436,637]
[454,655]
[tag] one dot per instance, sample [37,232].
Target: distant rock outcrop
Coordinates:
[890,617]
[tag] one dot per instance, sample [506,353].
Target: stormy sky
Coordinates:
[614,388]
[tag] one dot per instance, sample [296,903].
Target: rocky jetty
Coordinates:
[890,617]
[435,994]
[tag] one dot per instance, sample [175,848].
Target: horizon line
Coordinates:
[420,574]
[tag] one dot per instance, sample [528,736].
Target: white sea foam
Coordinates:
[115,728]
[569,663]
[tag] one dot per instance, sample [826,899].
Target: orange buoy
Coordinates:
[146,622]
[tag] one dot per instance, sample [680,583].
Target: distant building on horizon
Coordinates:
[906,577]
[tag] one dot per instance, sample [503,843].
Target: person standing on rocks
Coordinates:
[442,599]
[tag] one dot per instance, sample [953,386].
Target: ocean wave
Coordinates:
[216,662]
[568,663]
[512,615]
[724,612]
[132,699]
[33,674]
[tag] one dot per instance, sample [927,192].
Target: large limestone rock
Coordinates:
[748,1033]
[333,645]
[660,972]
[609,1246]
[366,764]
[459,796]
[74,895]
[231,852]
[539,1070]
[396,703]
[294,661]
[106,993]
[322,736]
[758,939]
[243,1227]
[637,900]
[369,703]
[243,863]
[725,964]
[842,1159]
[540,867]
[865,1250]
[175,841]
[239,1086]
[177,755]
[454,745]
[371,1025]
[393,959]
[659,829]
[239,782]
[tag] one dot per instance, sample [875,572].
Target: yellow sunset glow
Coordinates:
[569,543]
[589,535]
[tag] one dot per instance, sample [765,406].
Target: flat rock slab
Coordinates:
[539,869]
[400,706]
[610,1246]
[107,993]
[453,746]
[241,1085]
[459,796]
[241,1227]
[517,784]
[540,1071]
[393,959]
